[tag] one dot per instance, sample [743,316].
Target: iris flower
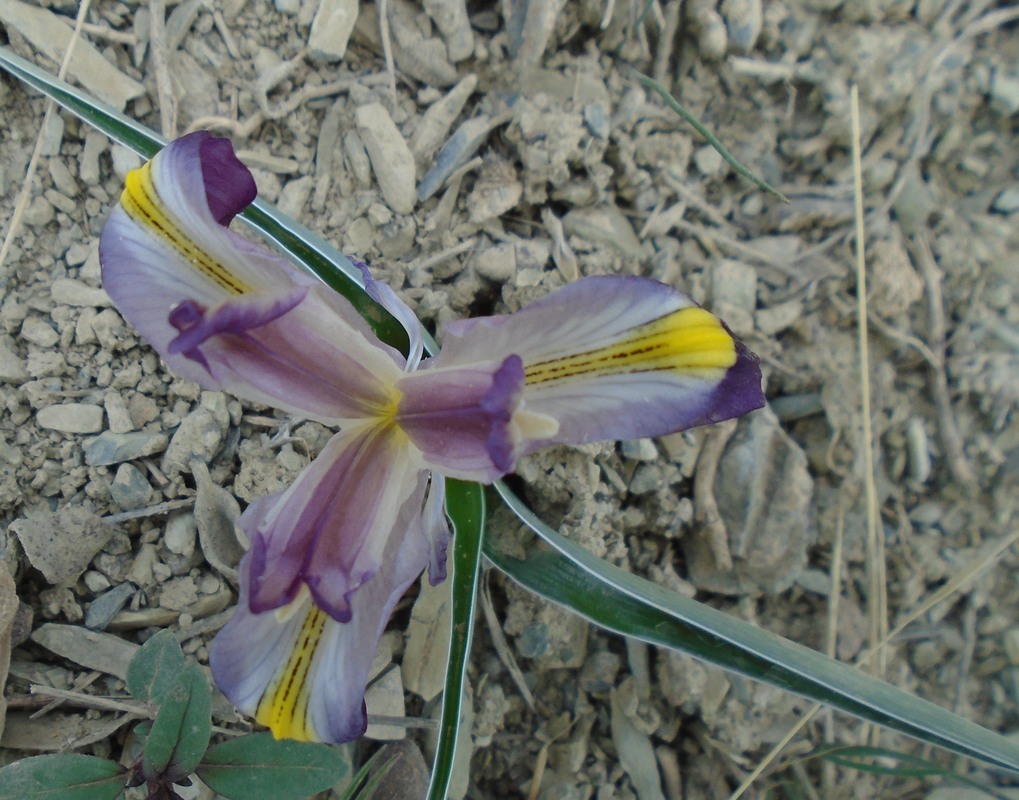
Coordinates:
[603,358]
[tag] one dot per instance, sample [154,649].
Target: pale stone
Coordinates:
[331,29]
[71,418]
[390,157]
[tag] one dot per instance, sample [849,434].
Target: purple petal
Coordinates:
[614,358]
[460,419]
[166,256]
[229,185]
[329,529]
[302,673]
[383,294]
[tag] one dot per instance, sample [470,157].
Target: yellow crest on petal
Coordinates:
[143,204]
[283,708]
[690,341]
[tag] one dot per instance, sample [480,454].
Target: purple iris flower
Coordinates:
[603,358]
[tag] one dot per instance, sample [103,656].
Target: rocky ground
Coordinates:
[119,482]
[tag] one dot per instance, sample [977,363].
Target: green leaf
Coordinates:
[62,776]
[868,759]
[259,767]
[182,727]
[155,668]
[630,605]
[465,504]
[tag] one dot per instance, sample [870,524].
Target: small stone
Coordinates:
[1007,202]
[456,152]
[734,294]
[88,166]
[178,594]
[450,17]
[1004,92]
[124,160]
[62,177]
[112,448]
[142,570]
[646,479]
[596,118]
[36,331]
[117,414]
[200,436]
[130,489]
[12,368]
[39,212]
[778,318]
[639,450]
[433,127]
[1011,640]
[70,292]
[96,581]
[709,161]
[71,418]
[605,225]
[77,254]
[743,22]
[180,534]
[498,263]
[390,156]
[105,607]
[330,30]
[60,544]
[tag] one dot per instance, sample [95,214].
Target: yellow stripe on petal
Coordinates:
[689,341]
[142,203]
[283,708]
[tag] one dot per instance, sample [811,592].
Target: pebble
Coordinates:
[639,450]
[62,177]
[734,294]
[178,594]
[117,414]
[96,581]
[433,128]
[605,225]
[743,21]
[99,651]
[390,156]
[77,254]
[39,212]
[112,448]
[124,160]
[70,292]
[1007,202]
[498,263]
[456,152]
[38,332]
[450,17]
[330,30]
[130,488]
[1004,92]
[200,436]
[596,119]
[12,368]
[71,418]
[88,166]
[60,544]
[105,607]
[709,161]
[180,534]
[142,571]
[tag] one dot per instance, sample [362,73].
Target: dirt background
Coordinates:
[508,151]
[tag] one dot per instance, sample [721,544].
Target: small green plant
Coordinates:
[175,746]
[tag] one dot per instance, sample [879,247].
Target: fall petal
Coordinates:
[614,358]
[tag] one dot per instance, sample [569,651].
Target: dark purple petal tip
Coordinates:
[229,185]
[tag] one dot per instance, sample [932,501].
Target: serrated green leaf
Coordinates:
[627,604]
[62,776]
[182,727]
[155,668]
[258,767]
[465,504]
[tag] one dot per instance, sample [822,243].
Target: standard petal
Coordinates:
[298,671]
[614,358]
[165,248]
[461,419]
[328,531]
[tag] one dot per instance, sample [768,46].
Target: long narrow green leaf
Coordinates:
[465,503]
[630,605]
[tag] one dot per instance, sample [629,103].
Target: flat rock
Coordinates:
[100,651]
[71,418]
[330,30]
[130,488]
[605,225]
[105,607]
[50,35]
[60,544]
[112,448]
[70,292]
[390,156]
[763,491]
[12,368]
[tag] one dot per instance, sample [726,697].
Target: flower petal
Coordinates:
[300,672]
[166,256]
[460,419]
[614,358]
[329,529]
[383,294]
